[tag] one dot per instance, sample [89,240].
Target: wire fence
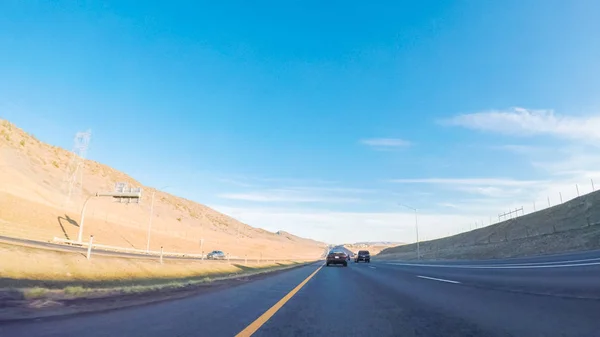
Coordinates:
[515,212]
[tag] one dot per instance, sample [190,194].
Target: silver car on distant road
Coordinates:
[215,255]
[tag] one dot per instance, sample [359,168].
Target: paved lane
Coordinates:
[354,301]
[376,299]
[499,311]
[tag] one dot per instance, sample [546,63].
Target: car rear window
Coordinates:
[363,252]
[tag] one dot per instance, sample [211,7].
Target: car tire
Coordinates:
[327,264]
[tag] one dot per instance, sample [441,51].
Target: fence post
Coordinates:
[560,195]
[548,201]
[592,180]
[202,257]
[161,254]
[89,252]
[577,187]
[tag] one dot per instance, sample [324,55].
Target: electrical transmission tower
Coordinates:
[74,176]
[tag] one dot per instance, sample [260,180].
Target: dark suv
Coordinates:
[337,257]
[363,255]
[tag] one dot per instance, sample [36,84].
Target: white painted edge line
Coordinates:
[438,279]
[372,267]
[550,262]
[496,266]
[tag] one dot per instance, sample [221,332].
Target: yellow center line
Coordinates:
[254,326]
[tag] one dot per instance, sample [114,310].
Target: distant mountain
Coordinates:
[374,247]
[378,243]
[345,249]
[297,238]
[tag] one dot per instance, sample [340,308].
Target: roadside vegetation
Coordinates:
[30,273]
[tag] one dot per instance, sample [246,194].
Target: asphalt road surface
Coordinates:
[545,296]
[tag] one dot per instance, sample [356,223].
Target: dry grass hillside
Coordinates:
[33,205]
[573,225]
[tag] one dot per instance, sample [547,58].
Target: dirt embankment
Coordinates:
[573,225]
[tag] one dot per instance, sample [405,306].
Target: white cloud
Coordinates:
[467,181]
[523,149]
[234,182]
[492,191]
[576,162]
[498,189]
[528,122]
[292,196]
[448,204]
[333,189]
[343,227]
[386,143]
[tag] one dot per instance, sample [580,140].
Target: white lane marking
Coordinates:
[548,262]
[497,266]
[438,279]
[372,267]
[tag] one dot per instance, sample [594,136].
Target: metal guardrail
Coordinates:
[43,237]
[130,250]
[159,254]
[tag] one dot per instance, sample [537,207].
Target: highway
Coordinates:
[544,296]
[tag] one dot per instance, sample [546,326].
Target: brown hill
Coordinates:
[570,226]
[373,247]
[33,205]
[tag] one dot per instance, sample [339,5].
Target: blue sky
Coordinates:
[318,118]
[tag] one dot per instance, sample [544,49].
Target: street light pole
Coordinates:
[136,195]
[416,229]
[80,234]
